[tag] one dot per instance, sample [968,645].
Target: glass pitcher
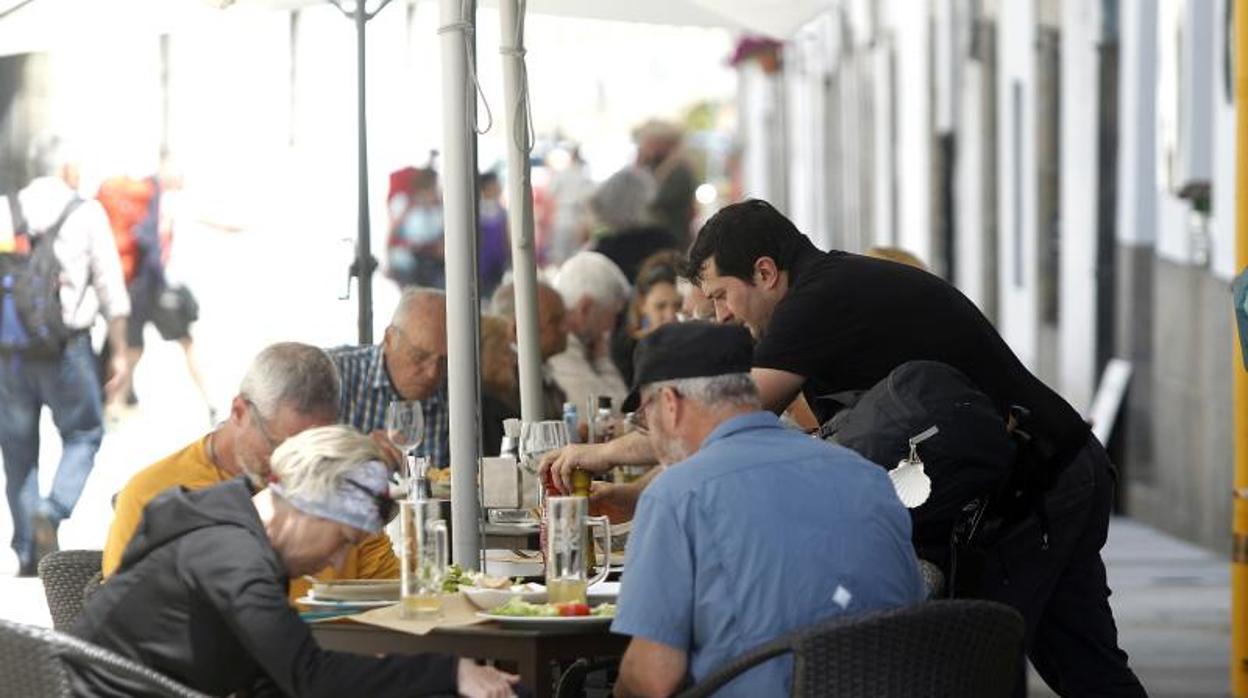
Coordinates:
[422,558]
[567,549]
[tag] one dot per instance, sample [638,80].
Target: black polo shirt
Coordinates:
[848,320]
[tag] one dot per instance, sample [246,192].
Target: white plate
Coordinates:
[356,590]
[603,591]
[546,621]
[485,598]
[321,603]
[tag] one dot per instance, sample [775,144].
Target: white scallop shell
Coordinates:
[912,484]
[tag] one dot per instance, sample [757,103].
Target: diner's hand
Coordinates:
[393,456]
[616,502]
[557,466]
[476,681]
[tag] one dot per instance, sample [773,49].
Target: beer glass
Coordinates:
[567,549]
[423,554]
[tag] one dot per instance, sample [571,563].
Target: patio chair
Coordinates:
[965,648]
[65,575]
[33,662]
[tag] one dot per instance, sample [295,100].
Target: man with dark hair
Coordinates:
[832,322]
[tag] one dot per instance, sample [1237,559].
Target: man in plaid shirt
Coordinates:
[408,364]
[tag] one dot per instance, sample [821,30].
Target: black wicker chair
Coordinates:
[965,648]
[33,662]
[65,575]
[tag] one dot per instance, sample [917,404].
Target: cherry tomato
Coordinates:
[573,609]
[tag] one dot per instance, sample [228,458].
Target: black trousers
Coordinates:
[1060,589]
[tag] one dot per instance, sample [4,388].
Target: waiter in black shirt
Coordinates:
[832,322]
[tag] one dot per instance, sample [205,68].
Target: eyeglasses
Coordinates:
[387,507]
[261,424]
[637,420]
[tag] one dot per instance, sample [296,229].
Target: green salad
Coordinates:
[515,607]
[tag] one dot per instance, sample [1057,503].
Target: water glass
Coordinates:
[423,557]
[537,439]
[567,549]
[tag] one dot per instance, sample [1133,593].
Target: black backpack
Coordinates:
[970,460]
[31,322]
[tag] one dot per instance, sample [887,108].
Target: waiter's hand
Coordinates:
[557,466]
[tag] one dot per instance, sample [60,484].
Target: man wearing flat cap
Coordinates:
[752,531]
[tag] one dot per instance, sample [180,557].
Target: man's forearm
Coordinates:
[632,448]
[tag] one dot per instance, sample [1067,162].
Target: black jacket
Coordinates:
[201,597]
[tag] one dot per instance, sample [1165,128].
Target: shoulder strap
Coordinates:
[15,215]
[50,234]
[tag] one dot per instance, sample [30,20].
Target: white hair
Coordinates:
[49,153]
[623,201]
[715,392]
[294,374]
[310,464]
[592,274]
[407,301]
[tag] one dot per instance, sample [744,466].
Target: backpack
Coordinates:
[31,322]
[969,460]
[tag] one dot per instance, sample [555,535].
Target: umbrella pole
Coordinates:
[458,19]
[520,210]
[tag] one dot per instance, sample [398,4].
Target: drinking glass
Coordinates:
[405,427]
[567,549]
[537,439]
[423,555]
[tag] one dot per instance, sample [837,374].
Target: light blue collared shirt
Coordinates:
[763,531]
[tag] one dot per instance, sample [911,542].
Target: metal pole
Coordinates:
[363,268]
[1239,525]
[520,211]
[459,137]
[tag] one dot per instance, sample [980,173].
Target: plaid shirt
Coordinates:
[367,390]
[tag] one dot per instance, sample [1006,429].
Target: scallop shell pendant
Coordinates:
[912,484]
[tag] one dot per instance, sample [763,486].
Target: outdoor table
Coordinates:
[530,651]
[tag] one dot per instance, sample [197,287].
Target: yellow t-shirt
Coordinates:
[190,468]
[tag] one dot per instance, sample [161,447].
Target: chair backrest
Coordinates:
[966,648]
[34,663]
[65,575]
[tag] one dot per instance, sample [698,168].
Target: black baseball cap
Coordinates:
[689,350]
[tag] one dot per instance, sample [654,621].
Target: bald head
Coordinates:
[414,347]
[553,334]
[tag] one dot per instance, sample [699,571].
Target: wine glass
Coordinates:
[405,426]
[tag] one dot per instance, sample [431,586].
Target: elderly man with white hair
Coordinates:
[49,214]
[594,292]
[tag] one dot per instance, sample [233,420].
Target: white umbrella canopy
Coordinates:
[43,25]
[777,18]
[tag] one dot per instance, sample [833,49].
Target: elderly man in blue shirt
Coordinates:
[753,530]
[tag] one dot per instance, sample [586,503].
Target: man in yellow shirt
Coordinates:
[289,387]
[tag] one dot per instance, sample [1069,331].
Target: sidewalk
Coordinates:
[1171,600]
[1172,604]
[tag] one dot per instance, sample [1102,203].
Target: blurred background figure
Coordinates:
[414,248]
[91,283]
[500,388]
[660,151]
[552,336]
[625,231]
[896,254]
[694,304]
[142,214]
[656,302]
[594,292]
[494,248]
[569,193]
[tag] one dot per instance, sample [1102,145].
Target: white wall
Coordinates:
[1137,153]
[1222,225]
[1079,178]
[1017,181]
[884,145]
